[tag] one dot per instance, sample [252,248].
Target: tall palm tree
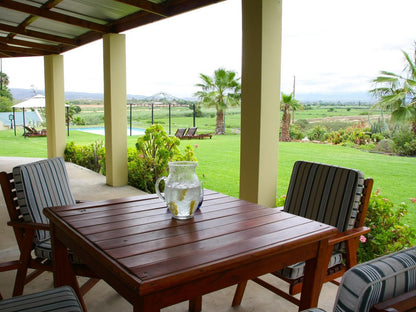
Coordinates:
[287,103]
[221,91]
[397,93]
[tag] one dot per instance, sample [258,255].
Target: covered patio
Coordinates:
[51,28]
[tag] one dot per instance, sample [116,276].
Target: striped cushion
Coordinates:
[44,250]
[62,299]
[39,185]
[297,270]
[377,280]
[325,193]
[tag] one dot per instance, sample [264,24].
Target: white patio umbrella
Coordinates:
[37,101]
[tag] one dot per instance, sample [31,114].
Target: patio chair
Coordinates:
[386,283]
[191,134]
[180,132]
[61,299]
[28,190]
[29,131]
[329,194]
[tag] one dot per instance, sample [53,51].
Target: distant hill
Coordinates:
[347,97]
[23,94]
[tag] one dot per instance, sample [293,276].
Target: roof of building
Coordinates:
[44,27]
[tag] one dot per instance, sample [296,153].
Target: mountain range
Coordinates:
[350,97]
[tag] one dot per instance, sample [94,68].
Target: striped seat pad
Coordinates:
[39,185]
[377,280]
[297,270]
[62,299]
[44,250]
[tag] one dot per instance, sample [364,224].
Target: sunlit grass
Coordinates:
[219,162]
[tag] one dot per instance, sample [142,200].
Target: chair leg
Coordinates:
[24,261]
[195,304]
[239,293]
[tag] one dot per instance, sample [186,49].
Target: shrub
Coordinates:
[384,146]
[78,121]
[404,143]
[317,133]
[295,132]
[387,232]
[150,159]
[89,156]
[355,135]
[302,123]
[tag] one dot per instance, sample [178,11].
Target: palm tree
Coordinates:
[287,103]
[397,93]
[221,91]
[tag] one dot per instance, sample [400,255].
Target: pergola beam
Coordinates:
[48,14]
[39,35]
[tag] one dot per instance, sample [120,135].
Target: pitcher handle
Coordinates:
[161,196]
[201,199]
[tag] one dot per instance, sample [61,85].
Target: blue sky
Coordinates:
[329,45]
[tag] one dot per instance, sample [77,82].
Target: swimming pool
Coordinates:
[100,130]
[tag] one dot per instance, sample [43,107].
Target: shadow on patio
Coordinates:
[88,185]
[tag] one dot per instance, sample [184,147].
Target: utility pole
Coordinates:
[293,96]
[1,74]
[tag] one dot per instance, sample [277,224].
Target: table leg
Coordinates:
[315,271]
[63,272]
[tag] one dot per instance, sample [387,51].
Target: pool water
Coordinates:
[100,130]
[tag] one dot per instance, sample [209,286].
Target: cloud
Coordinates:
[329,45]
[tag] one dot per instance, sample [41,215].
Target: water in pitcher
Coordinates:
[182,199]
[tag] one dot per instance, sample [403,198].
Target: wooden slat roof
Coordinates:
[43,27]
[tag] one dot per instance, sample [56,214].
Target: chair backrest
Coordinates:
[191,131]
[180,132]
[325,193]
[377,280]
[39,185]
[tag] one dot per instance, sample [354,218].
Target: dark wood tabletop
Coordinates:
[155,261]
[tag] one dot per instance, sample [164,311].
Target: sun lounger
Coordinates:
[191,134]
[31,132]
[180,132]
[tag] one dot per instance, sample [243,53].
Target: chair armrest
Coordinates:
[30,225]
[347,235]
[404,302]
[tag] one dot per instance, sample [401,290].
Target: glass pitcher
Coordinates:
[183,190]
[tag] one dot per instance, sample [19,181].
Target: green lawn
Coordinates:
[219,162]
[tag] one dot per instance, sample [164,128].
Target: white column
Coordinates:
[55,104]
[260,100]
[115,111]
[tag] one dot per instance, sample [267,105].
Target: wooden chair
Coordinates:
[386,284]
[28,190]
[328,194]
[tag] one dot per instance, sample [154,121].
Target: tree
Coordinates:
[397,93]
[6,97]
[287,103]
[221,91]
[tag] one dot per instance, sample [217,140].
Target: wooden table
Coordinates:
[155,261]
